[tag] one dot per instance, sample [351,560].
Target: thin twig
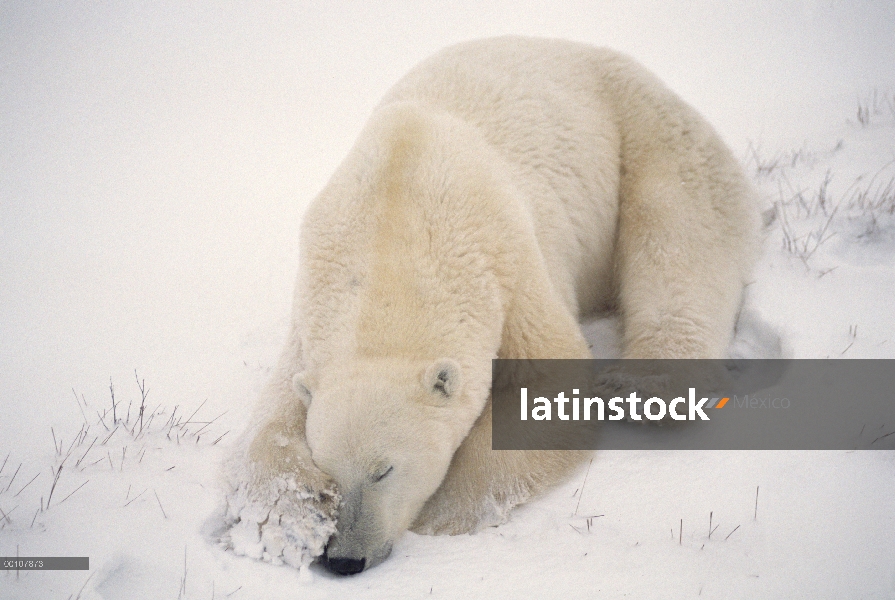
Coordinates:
[72,445]
[160,504]
[83,586]
[135,497]
[102,420]
[210,422]
[13,478]
[55,480]
[108,437]
[114,404]
[582,485]
[182,592]
[88,450]
[5,515]
[79,404]
[27,484]
[76,489]
[194,413]
[143,394]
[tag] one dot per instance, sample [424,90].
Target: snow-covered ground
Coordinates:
[155,159]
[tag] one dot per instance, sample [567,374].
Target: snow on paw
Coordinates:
[280,519]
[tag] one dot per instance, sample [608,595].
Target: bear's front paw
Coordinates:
[281,518]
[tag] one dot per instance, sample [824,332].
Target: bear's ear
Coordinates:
[443,378]
[301,389]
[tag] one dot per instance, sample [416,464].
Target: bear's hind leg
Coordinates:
[684,247]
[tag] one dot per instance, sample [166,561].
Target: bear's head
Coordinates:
[386,432]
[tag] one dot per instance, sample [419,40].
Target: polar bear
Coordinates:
[501,191]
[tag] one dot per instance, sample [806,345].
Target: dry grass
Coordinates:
[875,107]
[112,428]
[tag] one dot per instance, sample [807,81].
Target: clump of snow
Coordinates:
[276,519]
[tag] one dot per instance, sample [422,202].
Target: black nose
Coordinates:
[344,566]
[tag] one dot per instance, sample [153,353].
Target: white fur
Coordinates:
[501,191]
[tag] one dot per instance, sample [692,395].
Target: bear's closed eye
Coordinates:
[382,475]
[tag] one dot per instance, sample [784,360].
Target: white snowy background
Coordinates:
[155,160]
